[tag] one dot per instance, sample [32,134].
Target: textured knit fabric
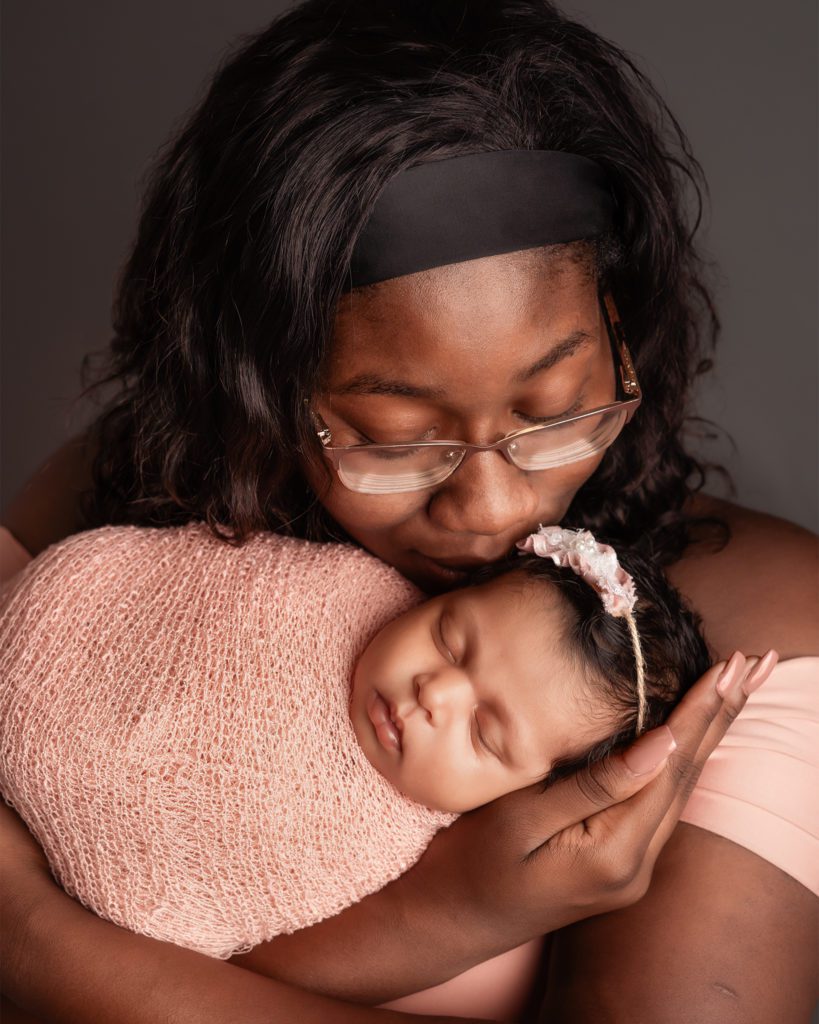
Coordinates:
[175,730]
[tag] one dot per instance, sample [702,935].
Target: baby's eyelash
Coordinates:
[479,735]
[444,644]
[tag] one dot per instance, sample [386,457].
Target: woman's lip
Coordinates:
[453,570]
[385,730]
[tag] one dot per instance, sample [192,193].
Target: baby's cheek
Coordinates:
[491,781]
[465,789]
[431,782]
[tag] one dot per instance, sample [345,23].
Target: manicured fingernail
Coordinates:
[760,672]
[729,674]
[650,751]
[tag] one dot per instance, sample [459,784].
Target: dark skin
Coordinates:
[722,935]
[431,382]
[484,510]
[469,332]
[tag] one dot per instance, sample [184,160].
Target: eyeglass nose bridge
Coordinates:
[467,450]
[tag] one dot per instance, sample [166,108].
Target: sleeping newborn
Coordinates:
[218,744]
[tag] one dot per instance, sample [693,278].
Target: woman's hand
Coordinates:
[532,862]
[524,865]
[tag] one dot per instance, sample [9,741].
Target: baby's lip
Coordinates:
[396,719]
[387,729]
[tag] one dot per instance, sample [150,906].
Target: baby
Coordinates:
[535,668]
[179,716]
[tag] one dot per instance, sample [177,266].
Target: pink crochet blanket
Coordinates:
[175,731]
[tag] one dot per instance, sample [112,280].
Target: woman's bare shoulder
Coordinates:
[47,508]
[759,590]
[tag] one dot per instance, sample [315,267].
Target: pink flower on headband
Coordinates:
[596,563]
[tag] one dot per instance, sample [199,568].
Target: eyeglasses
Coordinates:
[397,468]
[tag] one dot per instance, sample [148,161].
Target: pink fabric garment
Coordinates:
[175,730]
[760,787]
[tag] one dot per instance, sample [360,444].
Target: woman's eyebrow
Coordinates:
[562,350]
[373,384]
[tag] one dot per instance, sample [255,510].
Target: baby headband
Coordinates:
[481,204]
[597,564]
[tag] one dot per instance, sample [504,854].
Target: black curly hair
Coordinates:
[673,648]
[225,308]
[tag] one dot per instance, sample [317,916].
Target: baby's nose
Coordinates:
[444,691]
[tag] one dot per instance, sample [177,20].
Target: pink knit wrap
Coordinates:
[175,730]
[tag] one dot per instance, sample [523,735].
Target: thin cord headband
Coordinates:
[466,207]
[597,564]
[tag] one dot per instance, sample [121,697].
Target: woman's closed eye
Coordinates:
[575,407]
[392,454]
[412,437]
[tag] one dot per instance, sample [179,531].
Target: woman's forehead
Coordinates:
[510,307]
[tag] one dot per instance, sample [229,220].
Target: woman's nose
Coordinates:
[486,495]
[443,692]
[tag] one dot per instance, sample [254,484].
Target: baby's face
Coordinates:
[470,695]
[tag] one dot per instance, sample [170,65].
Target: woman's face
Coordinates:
[472,352]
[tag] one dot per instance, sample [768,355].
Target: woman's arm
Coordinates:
[484,886]
[63,964]
[526,864]
[47,507]
[722,934]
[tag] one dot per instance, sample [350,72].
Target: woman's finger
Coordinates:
[757,671]
[603,787]
[628,797]
[676,781]
[736,682]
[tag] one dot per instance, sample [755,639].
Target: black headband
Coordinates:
[482,204]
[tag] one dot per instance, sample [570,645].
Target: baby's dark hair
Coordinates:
[673,648]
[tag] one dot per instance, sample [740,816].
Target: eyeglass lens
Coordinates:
[384,470]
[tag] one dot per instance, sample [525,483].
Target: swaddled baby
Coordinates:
[217,744]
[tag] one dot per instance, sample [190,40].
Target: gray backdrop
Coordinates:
[91,88]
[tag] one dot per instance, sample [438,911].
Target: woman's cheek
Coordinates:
[558,486]
[361,514]
[365,514]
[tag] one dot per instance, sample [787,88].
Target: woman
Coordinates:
[249,336]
